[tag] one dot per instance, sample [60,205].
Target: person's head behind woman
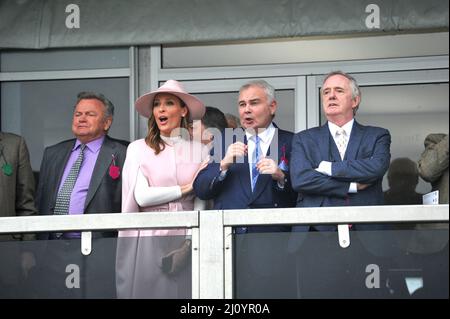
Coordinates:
[168,109]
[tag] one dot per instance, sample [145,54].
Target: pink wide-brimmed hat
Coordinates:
[144,104]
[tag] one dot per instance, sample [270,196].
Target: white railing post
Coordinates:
[211,255]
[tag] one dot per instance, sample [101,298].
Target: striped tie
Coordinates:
[63,198]
[255,160]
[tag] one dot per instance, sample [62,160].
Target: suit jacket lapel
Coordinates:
[324,143]
[354,141]
[60,161]
[101,167]
[335,156]
[279,142]
[244,174]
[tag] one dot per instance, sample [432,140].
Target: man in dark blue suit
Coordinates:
[229,182]
[341,163]
[253,174]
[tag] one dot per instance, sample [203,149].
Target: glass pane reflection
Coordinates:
[57,269]
[385,261]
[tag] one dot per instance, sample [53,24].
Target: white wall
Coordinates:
[306,50]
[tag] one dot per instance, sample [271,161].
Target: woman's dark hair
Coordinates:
[214,118]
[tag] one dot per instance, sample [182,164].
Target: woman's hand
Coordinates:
[188,188]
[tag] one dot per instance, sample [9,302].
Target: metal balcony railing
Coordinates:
[212,231]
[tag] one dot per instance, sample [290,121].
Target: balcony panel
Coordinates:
[382,261]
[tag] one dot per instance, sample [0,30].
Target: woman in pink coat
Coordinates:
[157,176]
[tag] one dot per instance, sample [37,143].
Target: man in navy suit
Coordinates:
[253,173]
[319,174]
[229,182]
[341,163]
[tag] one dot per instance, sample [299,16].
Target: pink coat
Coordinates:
[177,164]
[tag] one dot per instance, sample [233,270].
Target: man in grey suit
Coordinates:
[97,189]
[16,177]
[16,199]
[99,184]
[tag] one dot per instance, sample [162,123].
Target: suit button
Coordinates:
[276,205]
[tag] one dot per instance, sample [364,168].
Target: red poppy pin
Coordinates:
[114,170]
[284,163]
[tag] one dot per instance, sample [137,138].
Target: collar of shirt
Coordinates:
[265,136]
[347,127]
[94,146]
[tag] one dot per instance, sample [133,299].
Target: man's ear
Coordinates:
[356,102]
[107,124]
[273,107]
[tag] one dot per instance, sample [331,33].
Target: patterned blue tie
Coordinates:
[63,198]
[255,160]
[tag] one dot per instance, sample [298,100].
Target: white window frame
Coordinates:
[432,76]
[129,73]
[304,78]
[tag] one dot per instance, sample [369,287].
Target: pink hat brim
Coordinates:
[145,102]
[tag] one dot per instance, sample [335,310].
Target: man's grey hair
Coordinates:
[353,85]
[269,89]
[109,107]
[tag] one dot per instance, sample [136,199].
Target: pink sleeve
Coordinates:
[130,170]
